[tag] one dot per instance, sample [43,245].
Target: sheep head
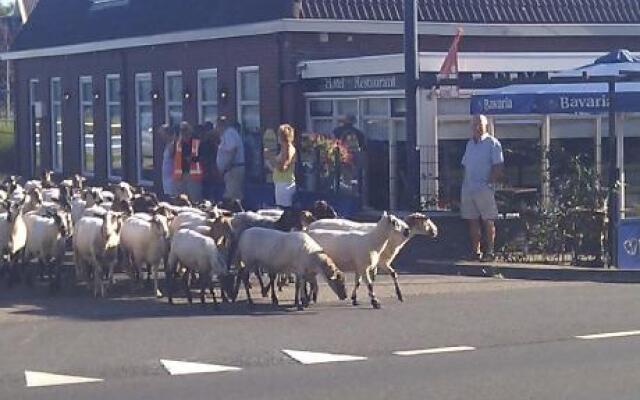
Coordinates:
[46,179]
[160,226]
[221,231]
[420,224]
[394,225]
[335,277]
[322,210]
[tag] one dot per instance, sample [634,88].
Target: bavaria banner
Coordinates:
[590,98]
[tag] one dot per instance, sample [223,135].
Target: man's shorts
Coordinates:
[480,203]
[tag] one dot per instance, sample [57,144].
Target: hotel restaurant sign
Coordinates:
[355,83]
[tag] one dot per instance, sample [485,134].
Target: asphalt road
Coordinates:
[520,341]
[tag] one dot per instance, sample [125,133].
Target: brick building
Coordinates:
[95,77]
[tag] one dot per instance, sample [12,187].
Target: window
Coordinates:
[173,98]
[207,95]
[56,124]
[325,114]
[248,82]
[114,126]
[144,128]
[34,124]
[87,125]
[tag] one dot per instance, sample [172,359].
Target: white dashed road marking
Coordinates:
[434,351]
[309,357]
[40,379]
[609,335]
[186,368]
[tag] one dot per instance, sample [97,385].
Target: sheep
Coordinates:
[419,224]
[13,237]
[46,241]
[360,251]
[145,241]
[95,246]
[286,253]
[189,219]
[198,253]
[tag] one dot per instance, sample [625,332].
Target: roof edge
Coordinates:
[330,26]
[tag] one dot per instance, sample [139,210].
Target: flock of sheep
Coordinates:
[124,227]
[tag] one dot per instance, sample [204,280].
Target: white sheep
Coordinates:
[95,247]
[359,252]
[197,253]
[13,238]
[144,240]
[419,224]
[46,241]
[285,253]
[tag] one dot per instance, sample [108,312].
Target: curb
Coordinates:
[540,272]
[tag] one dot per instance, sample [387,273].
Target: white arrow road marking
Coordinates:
[608,335]
[309,357]
[186,368]
[434,351]
[39,379]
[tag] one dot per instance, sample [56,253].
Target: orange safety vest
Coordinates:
[195,169]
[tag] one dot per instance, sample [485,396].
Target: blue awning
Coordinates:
[557,99]
[567,98]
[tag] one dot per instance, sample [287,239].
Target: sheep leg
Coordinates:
[156,289]
[394,276]
[374,301]
[57,276]
[203,288]
[274,298]
[264,290]
[246,288]
[169,275]
[298,289]
[213,295]
[187,287]
[354,294]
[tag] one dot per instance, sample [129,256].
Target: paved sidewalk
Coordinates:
[524,271]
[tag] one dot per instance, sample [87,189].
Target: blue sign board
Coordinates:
[629,244]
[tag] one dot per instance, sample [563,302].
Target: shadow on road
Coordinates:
[127,302]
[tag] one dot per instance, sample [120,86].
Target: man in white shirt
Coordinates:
[483,163]
[230,160]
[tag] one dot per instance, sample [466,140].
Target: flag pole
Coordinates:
[412,76]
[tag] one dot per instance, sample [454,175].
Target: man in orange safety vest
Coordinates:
[187,170]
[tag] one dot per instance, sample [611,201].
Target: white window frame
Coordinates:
[36,152]
[139,167]
[202,74]
[81,104]
[242,103]
[54,141]
[335,115]
[109,102]
[167,102]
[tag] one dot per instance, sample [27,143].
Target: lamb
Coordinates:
[419,224]
[198,253]
[286,253]
[95,247]
[13,237]
[145,242]
[360,251]
[46,241]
